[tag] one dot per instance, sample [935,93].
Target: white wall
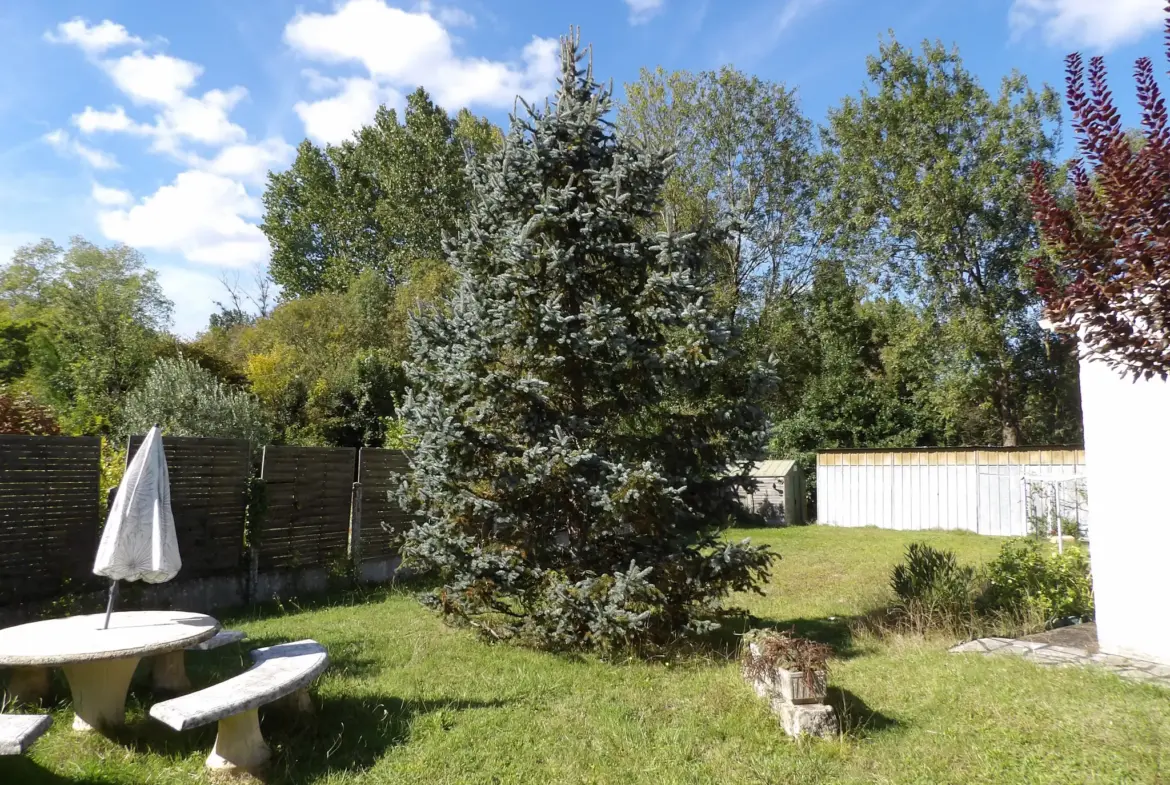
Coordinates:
[969,489]
[1127,433]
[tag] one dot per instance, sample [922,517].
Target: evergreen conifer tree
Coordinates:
[579,408]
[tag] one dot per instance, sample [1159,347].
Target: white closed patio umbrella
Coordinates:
[139,543]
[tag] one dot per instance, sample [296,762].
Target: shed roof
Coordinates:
[778,468]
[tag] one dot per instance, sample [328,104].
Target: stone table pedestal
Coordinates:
[99,663]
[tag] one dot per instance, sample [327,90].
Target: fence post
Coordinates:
[257,512]
[355,531]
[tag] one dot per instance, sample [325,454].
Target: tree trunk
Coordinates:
[1008,415]
[1011,434]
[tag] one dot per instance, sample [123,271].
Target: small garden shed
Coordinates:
[779,494]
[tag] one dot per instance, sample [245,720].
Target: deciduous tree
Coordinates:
[380,201]
[930,189]
[103,317]
[744,158]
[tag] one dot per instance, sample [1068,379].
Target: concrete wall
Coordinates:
[1127,432]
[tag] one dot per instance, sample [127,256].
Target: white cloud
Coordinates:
[92,120]
[93,39]
[403,49]
[642,11]
[333,120]
[319,82]
[153,79]
[206,214]
[110,197]
[1098,24]
[249,163]
[455,17]
[202,120]
[202,216]
[194,294]
[448,15]
[164,83]
[65,144]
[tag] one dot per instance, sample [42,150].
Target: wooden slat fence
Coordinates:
[309,491]
[209,488]
[381,472]
[49,514]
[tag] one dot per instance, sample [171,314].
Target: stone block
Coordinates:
[1111,660]
[1052,656]
[976,646]
[809,719]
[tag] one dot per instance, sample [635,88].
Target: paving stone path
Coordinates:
[1067,656]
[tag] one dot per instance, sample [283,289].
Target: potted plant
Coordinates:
[781,665]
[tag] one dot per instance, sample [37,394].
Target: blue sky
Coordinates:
[154,123]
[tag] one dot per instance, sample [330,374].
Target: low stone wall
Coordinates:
[198,595]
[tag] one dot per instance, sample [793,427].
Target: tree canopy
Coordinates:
[380,201]
[90,320]
[743,159]
[929,196]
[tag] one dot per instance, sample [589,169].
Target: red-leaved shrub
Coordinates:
[1109,272]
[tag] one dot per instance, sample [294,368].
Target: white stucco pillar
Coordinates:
[1127,449]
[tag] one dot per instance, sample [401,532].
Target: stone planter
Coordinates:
[796,689]
[788,685]
[798,701]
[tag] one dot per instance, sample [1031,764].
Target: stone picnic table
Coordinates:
[99,664]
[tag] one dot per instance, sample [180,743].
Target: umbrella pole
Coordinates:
[110,603]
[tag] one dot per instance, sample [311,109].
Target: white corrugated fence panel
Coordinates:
[974,490]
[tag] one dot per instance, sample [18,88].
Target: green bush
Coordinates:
[933,578]
[188,400]
[1026,588]
[1026,580]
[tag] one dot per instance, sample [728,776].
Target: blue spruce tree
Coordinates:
[579,408]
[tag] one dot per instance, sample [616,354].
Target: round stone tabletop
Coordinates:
[82,639]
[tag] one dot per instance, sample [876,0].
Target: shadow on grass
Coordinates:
[22,771]
[858,720]
[342,734]
[724,643]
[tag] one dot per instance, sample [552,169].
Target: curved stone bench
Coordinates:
[279,671]
[169,671]
[19,731]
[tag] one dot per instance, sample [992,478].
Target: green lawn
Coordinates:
[409,700]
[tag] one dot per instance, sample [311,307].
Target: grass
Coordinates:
[408,699]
